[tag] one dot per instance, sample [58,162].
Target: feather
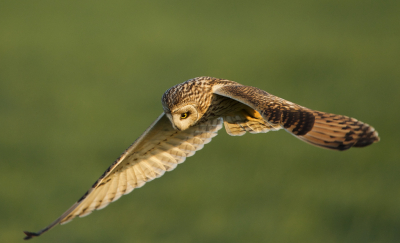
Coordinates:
[159,149]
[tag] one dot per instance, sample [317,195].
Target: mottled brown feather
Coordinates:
[317,128]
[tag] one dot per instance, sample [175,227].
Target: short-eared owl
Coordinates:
[194,111]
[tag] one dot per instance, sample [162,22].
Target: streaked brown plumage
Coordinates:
[193,113]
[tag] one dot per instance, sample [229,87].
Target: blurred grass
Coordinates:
[81,80]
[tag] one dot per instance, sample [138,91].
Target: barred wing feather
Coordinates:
[159,149]
[318,128]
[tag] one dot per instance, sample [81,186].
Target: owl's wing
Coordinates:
[159,149]
[315,127]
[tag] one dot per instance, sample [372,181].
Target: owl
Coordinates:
[193,112]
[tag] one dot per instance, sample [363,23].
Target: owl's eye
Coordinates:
[184,115]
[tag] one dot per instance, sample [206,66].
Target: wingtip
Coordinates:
[30,235]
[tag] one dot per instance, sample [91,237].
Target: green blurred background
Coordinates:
[81,80]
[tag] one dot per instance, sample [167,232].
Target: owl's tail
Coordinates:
[339,132]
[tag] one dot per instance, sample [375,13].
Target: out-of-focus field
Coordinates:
[81,80]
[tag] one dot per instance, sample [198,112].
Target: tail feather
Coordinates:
[339,132]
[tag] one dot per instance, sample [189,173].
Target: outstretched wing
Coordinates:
[159,149]
[315,127]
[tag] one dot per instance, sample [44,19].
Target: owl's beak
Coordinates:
[171,120]
[175,127]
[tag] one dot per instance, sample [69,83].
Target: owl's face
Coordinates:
[183,117]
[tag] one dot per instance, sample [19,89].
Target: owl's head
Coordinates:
[186,103]
[183,117]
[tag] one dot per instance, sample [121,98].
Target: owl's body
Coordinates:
[193,113]
[245,108]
